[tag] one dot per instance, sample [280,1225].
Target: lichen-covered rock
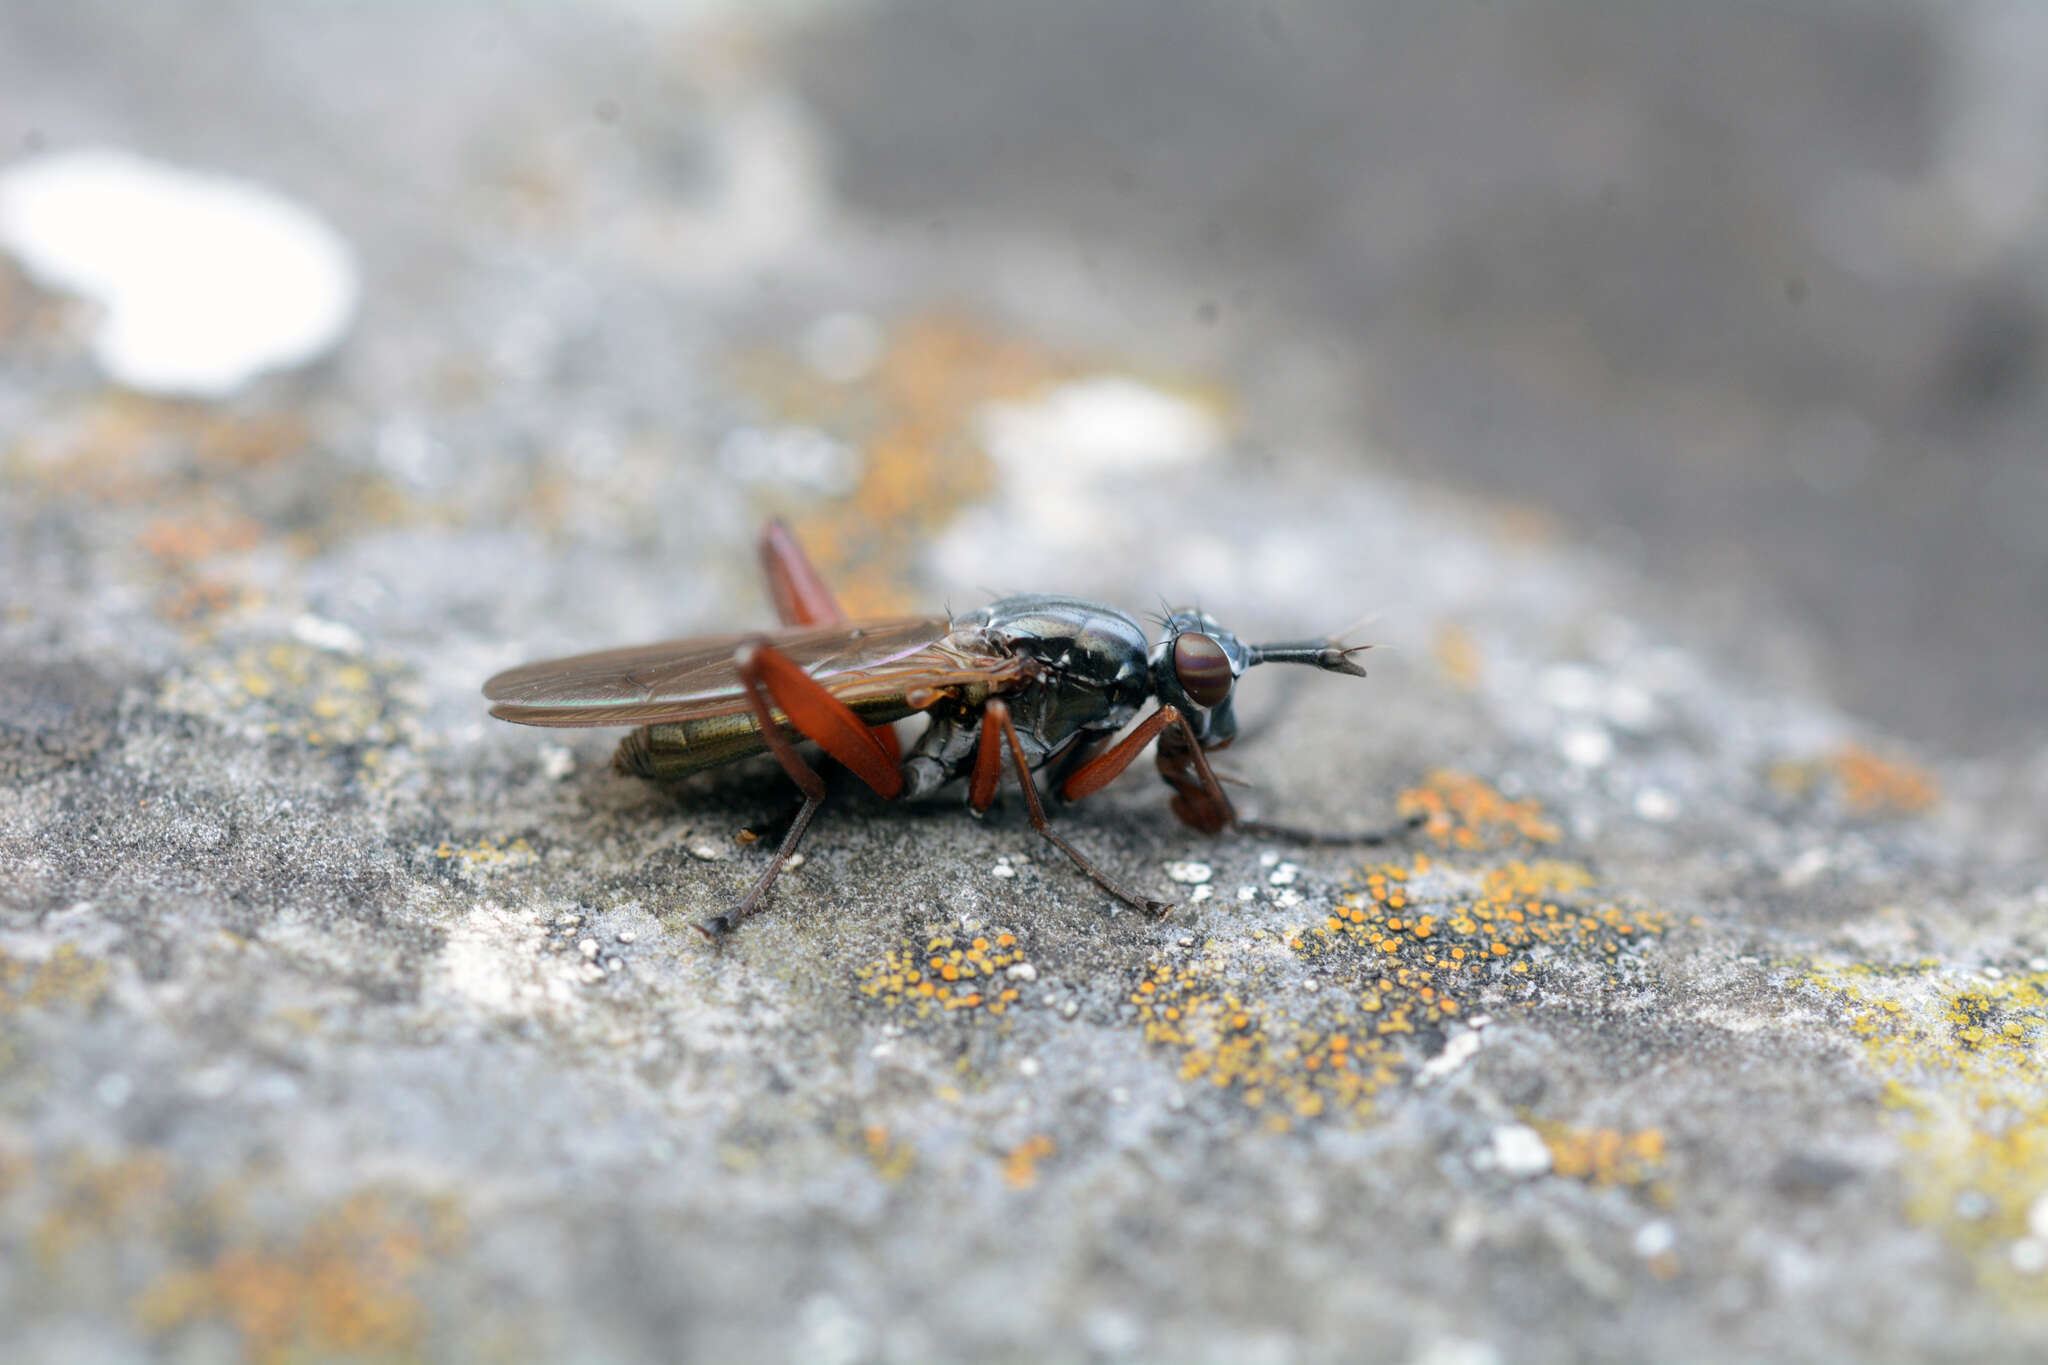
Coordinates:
[1694,1018]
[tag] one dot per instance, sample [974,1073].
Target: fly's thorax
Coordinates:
[1093,673]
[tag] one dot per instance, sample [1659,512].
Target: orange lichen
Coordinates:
[1874,785]
[946,976]
[182,541]
[89,1199]
[893,1158]
[344,1285]
[913,418]
[1461,811]
[1020,1164]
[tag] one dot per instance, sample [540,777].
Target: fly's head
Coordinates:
[1195,668]
[1196,665]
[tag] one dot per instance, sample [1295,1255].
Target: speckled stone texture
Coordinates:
[1702,1018]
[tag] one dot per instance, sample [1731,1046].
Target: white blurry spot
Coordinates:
[1805,868]
[2029,1255]
[1021,971]
[1630,708]
[1189,874]
[842,347]
[2037,1218]
[1109,424]
[1570,687]
[1655,1238]
[706,852]
[1518,1150]
[1068,462]
[408,450]
[1462,1048]
[332,636]
[1247,893]
[588,947]
[205,281]
[1656,805]
[113,1090]
[1201,893]
[1586,746]
[1112,1332]
[213,1082]
[789,457]
[1455,1351]
[1288,899]
[556,763]
[1283,875]
[1002,870]
[832,1335]
[1269,858]
[1028,1068]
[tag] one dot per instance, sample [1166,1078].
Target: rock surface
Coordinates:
[1699,1020]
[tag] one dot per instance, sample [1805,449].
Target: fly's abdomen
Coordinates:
[680,747]
[677,748]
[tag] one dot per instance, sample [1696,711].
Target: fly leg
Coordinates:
[1199,802]
[802,598]
[771,679]
[997,727]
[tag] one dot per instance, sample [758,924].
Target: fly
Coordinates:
[1042,682]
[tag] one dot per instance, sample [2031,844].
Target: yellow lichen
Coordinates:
[1603,1156]
[289,688]
[1458,657]
[486,854]
[1408,948]
[66,978]
[1962,1060]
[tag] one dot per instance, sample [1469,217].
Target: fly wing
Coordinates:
[871,662]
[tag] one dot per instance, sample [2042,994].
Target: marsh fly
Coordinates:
[1041,681]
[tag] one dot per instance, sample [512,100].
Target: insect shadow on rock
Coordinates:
[1042,681]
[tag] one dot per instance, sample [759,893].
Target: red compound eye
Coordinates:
[1203,669]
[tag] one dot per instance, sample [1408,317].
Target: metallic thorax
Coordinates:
[1093,677]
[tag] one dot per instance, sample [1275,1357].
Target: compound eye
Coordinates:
[1203,669]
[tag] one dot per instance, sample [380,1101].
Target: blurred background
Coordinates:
[1749,299]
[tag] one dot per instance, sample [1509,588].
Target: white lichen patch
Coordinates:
[203,282]
[492,960]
